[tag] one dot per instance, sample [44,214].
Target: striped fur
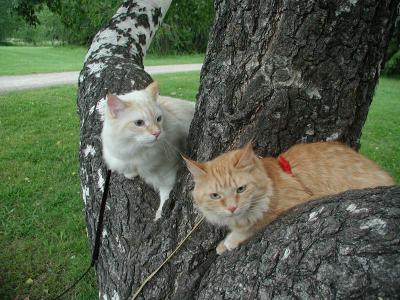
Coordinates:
[319,169]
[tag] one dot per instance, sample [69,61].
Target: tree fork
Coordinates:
[277,73]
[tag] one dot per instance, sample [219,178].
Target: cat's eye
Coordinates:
[159,118]
[215,196]
[241,189]
[139,123]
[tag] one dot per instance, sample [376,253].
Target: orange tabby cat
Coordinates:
[246,192]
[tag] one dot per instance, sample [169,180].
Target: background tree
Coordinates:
[7,22]
[185,29]
[277,72]
[392,65]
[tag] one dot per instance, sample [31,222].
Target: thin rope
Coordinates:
[97,243]
[74,284]
[100,222]
[137,293]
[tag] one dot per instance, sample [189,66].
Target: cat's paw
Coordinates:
[131,175]
[230,242]
[221,248]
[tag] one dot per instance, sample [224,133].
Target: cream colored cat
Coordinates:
[245,192]
[142,134]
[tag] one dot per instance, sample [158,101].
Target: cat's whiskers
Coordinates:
[175,150]
[248,213]
[169,150]
[253,202]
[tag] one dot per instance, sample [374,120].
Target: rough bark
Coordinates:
[283,72]
[114,63]
[342,247]
[277,72]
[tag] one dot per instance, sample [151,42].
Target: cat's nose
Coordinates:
[232,208]
[156,133]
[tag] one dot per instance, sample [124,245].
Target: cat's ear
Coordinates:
[154,89]
[115,105]
[196,168]
[245,157]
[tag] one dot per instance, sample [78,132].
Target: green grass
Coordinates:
[26,60]
[380,139]
[42,229]
[42,233]
[180,85]
[41,212]
[16,60]
[156,60]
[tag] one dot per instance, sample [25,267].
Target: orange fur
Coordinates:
[319,169]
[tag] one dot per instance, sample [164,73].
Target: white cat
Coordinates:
[142,133]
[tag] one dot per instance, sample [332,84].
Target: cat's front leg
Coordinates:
[131,172]
[232,241]
[164,195]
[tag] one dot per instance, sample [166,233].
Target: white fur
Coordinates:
[154,160]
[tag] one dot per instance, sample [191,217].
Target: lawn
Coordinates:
[16,60]
[42,232]
[42,235]
[380,139]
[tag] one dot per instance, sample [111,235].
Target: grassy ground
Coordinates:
[42,235]
[26,60]
[380,139]
[42,232]
[41,212]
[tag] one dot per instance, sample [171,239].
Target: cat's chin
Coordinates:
[214,219]
[244,218]
[150,143]
[232,219]
[155,141]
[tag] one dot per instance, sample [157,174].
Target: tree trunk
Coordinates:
[276,72]
[283,72]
